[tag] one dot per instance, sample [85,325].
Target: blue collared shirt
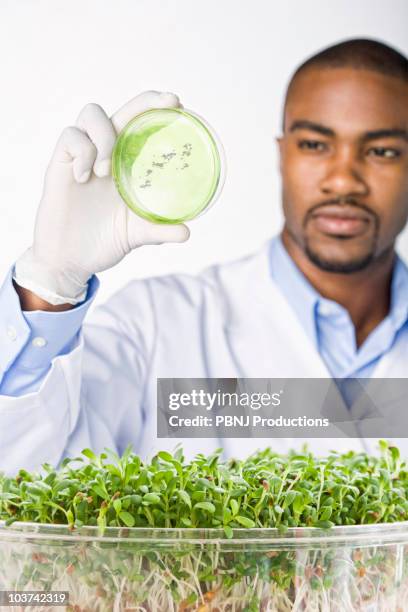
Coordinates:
[328,325]
[30,340]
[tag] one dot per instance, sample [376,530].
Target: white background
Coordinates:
[229,60]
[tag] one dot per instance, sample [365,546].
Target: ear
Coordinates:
[280,141]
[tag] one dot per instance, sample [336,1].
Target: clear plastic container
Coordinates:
[345,569]
[168,165]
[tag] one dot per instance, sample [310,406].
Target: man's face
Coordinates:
[344,165]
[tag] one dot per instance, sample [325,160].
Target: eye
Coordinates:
[384,152]
[312,145]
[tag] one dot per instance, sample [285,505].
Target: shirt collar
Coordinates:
[399,294]
[307,302]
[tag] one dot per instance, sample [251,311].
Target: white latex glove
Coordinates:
[82,225]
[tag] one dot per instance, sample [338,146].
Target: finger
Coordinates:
[96,124]
[167,233]
[140,104]
[141,231]
[74,147]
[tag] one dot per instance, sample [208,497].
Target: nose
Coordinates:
[344,176]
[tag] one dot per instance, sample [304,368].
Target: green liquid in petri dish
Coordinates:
[167,165]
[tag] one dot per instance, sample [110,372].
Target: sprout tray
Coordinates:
[344,569]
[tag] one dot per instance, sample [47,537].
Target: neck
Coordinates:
[364,294]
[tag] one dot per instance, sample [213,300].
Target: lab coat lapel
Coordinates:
[264,333]
[268,341]
[384,399]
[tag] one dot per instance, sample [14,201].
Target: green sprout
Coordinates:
[265,490]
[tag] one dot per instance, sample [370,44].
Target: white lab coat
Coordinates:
[231,321]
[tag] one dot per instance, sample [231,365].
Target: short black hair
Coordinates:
[358,53]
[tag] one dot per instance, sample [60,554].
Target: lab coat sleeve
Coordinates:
[91,396]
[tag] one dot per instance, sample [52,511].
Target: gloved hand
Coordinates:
[82,225]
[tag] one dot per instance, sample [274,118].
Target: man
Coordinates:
[328,298]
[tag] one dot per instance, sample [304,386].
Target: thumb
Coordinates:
[141,231]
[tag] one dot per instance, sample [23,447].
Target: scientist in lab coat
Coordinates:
[326,298]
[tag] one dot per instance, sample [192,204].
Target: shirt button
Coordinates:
[325,309]
[12,333]
[39,342]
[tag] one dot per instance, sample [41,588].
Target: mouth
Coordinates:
[341,221]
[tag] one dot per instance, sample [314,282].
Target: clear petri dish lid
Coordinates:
[168,165]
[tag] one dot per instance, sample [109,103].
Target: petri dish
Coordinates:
[168,165]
